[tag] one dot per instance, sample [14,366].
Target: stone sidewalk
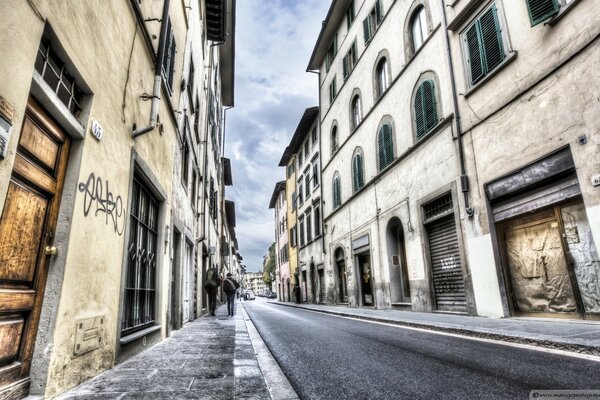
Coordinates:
[581,336]
[210,358]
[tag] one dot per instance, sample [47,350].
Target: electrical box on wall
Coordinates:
[89,334]
[7,112]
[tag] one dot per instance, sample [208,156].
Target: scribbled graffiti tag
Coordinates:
[99,196]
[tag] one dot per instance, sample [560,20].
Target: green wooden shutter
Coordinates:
[357,172]
[378,11]
[492,39]
[419,113]
[471,39]
[541,10]
[386,152]
[429,105]
[345,67]
[367,29]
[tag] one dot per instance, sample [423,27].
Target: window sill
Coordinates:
[139,334]
[511,57]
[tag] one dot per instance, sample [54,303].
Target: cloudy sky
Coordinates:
[274,41]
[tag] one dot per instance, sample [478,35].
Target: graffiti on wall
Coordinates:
[99,199]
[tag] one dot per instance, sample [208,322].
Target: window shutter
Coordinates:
[472,43]
[419,117]
[345,67]
[172,64]
[492,39]
[386,153]
[367,29]
[378,11]
[355,173]
[358,179]
[429,105]
[354,52]
[541,10]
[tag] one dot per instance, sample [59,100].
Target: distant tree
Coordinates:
[269,266]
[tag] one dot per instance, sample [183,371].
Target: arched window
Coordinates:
[334,139]
[418,28]
[425,109]
[382,76]
[356,111]
[337,191]
[358,180]
[385,147]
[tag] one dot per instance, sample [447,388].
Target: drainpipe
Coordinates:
[464,179]
[157,75]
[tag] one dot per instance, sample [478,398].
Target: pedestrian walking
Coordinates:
[230,287]
[211,285]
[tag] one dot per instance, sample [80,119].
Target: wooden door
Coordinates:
[26,227]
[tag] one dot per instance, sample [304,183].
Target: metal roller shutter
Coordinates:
[447,275]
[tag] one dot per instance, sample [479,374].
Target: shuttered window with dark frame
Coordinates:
[541,10]
[371,23]
[139,309]
[168,62]
[385,146]
[484,45]
[425,109]
[357,172]
[337,194]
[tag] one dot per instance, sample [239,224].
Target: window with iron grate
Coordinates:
[440,206]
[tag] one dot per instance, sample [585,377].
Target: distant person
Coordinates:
[230,287]
[211,285]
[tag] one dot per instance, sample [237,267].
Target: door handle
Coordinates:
[50,250]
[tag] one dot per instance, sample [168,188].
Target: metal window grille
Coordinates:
[55,74]
[440,206]
[140,285]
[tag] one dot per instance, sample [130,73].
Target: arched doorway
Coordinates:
[340,262]
[396,258]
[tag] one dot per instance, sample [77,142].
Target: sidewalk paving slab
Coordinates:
[581,336]
[210,358]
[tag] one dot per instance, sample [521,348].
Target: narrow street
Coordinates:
[328,357]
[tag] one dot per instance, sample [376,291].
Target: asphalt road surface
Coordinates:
[328,357]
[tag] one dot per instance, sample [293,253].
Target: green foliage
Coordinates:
[269,266]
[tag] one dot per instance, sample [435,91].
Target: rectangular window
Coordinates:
[168,65]
[350,14]
[293,241]
[301,233]
[307,183]
[294,200]
[190,83]
[290,170]
[193,196]
[55,74]
[308,227]
[331,53]
[332,91]
[300,160]
[314,136]
[483,45]
[185,157]
[300,197]
[315,175]
[317,218]
[307,148]
[349,60]
[140,283]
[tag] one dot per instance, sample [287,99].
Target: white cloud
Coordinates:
[274,41]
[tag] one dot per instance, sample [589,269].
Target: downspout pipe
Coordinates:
[464,179]
[157,74]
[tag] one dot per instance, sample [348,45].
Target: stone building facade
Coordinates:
[105,169]
[282,256]
[454,178]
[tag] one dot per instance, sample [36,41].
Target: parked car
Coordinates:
[272,295]
[249,296]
